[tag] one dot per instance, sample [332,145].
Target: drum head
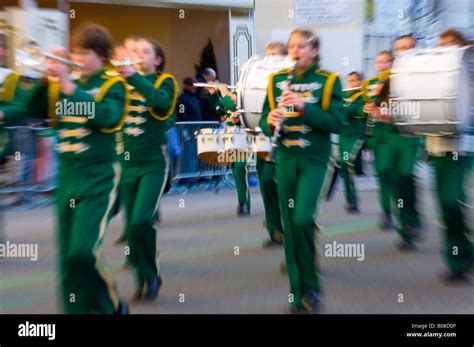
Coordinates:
[253,87]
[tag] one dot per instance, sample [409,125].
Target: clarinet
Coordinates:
[271,157]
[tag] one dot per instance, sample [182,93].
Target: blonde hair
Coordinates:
[310,37]
[280,46]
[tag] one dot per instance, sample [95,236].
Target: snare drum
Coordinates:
[236,145]
[429,91]
[210,145]
[261,144]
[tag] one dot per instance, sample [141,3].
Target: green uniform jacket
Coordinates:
[356,117]
[323,114]
[86,121]
[224,106]
[150,116]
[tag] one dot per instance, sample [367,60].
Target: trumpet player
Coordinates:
[224,103]
[313,102]
[88,173]
[351,140]
[377,137]
[145,160]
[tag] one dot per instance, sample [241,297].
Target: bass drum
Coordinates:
[430,91]
[252,86]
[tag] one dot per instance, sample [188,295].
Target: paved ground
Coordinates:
[197,239]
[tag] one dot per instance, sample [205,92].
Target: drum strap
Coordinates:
[327,91]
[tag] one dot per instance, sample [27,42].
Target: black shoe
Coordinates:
[352,207]
[453,278]
[272,243]
[153,288]
[406,246]
[415,233]
[385,222]
[123,308]
[121,240]
[243,210]
[312,301]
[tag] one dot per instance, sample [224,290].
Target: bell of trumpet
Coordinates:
[32,61]
[124,62]
[31,48]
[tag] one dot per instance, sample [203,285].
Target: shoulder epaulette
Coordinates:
[323,72]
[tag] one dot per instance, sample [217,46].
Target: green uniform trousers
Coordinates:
[85,198]
[349,148]
[240,170]
[403,154]
[450,181]
[300,183]
[141,190]
[381,150]
[268,188]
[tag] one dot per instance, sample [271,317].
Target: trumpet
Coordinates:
[351,89]
[211,85]
[125,62]
[35,57]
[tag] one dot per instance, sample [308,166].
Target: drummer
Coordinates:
[398,165]
[452,159]
[224,103]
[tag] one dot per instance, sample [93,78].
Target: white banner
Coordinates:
[314,12]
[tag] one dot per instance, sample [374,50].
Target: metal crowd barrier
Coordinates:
[28,167]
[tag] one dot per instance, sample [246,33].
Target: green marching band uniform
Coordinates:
[378,142]
[268,188]
[395,159]
[351,140]
[302,164]
[88,178]
[225,106]
[145,166]
[452,159]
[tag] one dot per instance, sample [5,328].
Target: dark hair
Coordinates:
[458,37]
[310,37]
[189,81]
[387,52]
[94,37]
[359,76]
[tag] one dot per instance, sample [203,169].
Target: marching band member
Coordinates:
[315,100]
[88,173]
[398,161]
[267,177]
[145,158]
[452,159]
[377,137]
[224,103]
[351,140]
